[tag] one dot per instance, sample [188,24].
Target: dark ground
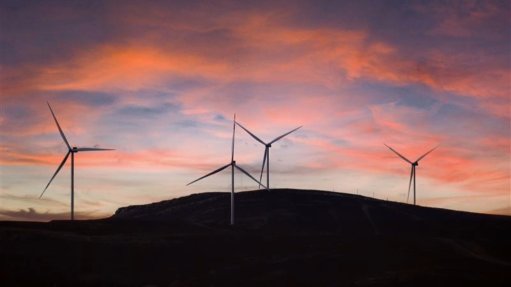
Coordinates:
[281,238]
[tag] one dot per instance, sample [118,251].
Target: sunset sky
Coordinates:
[159,81]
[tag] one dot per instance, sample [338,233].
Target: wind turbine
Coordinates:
[72,151]
[266,156]
[233,165]
[412,173]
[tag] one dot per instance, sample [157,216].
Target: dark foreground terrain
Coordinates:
[281,238]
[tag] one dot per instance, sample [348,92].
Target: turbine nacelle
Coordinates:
[72,151]
[266,156]
[233,166]
[412,172]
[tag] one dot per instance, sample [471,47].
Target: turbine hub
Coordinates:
[416,163]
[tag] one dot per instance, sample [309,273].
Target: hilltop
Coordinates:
[283,237]
[309,211]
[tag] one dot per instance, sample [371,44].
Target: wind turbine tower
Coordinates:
[233,166]
[412,172]
[266,156]
[71,151]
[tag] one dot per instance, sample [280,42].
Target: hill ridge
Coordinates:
[302,210]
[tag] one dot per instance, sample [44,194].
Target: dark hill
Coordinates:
[313,211]
[281,238]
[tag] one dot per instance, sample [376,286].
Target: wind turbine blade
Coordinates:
[427,153]
[278,138]
[410,184]
[254,136]
[92,149]
[55,174]
[233,132]
[58,126]
[262,168]
[398,154]
[211,173]
[248,174]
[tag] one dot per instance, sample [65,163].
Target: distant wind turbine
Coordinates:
[72,151]
[266,156]
[412,173]
[233,165]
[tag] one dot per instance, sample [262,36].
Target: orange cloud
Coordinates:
[269,50]
[359,56]
[153,159]
[126,68]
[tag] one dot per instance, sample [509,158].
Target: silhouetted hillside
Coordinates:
[313,211]
[281,238]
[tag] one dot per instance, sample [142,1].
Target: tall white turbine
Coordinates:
[266,156]
[233,165]
[412,172]
[72,151]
